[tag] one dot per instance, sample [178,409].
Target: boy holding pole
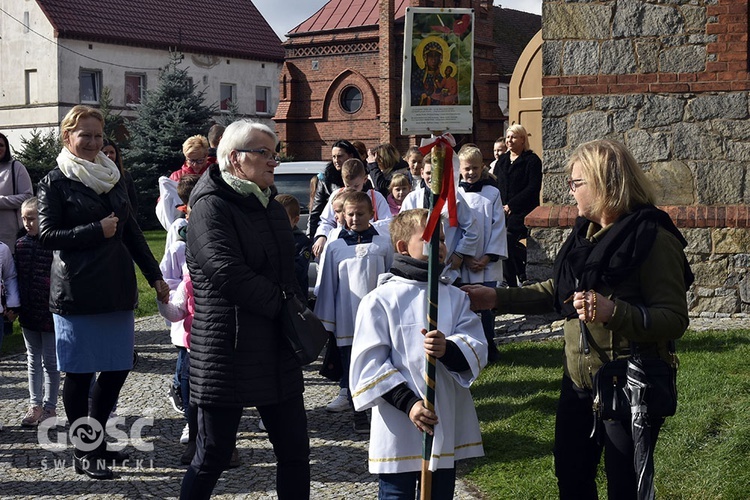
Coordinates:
[388,370]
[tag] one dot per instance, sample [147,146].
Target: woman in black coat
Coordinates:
[85,217]
[240,256]
[340,152]
[519,178]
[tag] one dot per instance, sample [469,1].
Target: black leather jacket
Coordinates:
[91,274]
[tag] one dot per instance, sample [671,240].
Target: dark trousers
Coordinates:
[286,423]
[514,267]
[577,454]
[407,485]
[106,390]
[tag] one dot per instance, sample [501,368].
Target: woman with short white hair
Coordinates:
[240,256]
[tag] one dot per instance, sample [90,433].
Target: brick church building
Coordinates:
[343,67]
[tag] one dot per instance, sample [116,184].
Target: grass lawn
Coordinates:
[703,451]
[146,295]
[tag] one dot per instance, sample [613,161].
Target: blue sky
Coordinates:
[283,16]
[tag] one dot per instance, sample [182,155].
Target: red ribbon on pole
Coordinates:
[447,188]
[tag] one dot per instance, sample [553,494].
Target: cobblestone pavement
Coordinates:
[338,455]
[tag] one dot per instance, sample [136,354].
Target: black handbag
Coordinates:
[611,401]
[332,368]
[303,331]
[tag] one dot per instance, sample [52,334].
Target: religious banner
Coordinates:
[438,71]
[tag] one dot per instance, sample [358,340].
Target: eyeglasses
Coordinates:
[573,184]
[267,154]
[195,162]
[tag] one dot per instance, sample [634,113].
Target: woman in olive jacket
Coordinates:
[85,217]
[623,271]
[240,256]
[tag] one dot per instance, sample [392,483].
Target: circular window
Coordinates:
[351,99]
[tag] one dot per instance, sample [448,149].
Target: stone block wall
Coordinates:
[670,80]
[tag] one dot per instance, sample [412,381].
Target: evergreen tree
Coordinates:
[112,121]
[168,115]
[232,115]
[39,153]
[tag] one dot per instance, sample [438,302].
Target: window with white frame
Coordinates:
[227,95]
[134,87]
[32,86]
[262,99]
[91,85]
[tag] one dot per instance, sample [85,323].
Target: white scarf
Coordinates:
[101,175]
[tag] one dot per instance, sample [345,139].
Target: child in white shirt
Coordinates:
[486,267]
[387,370]
[460,241]
[354,176]
[349,269]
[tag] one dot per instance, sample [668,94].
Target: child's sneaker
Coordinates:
[33,414]
[361,424]
[49,413]
[185,434]
[339,403]
[176,399]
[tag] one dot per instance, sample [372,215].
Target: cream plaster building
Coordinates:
[55,54]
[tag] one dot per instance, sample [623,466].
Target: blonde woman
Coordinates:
[195,149]
[519,178]
[382,163]
[623,272]
[85,217]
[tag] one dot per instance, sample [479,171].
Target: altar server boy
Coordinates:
[349,269]
[387,370]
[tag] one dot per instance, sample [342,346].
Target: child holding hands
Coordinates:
[387,370]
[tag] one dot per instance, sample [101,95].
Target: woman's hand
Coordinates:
[434,343]
[162,291]
[10,314]
[593,307]
[482,297]
[372,156]
[109,225]
[506,209]
[423,418]
[317,247]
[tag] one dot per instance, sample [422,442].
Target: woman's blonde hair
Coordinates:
[388,157]
[617,180]
[195,143]
[75,115]
[518,130]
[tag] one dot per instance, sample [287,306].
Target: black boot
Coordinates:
[93,465]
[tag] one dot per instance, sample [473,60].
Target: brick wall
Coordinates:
[309,118]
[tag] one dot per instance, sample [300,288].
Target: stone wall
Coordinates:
[669,79]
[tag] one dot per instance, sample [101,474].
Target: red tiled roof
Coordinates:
[512,32]
[342,14]
[231,28]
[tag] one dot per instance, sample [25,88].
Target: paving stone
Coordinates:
[338,455]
